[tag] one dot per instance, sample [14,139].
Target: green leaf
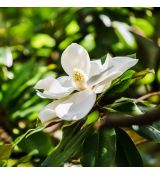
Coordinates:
[127,153]
[92,117]
[125,105]
[5,151]
[39,141]
[38,129]
[27,134]
[21,76]
[42,40]
[148,132]
[99,148]
[132,56]
[90,150]
[143,25]
[71,142]
[122,83]
[143,73]
[21,137]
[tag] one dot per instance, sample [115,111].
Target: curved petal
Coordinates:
[113,68]
[120,63]
[96,68]
[76,106]
[65,81]
[102,77]
[99,88]
[75,56]
[48,113]
[53,89]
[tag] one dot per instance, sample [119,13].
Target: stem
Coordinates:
[147,96]
[122,121]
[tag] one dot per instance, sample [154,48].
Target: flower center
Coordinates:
[79,79]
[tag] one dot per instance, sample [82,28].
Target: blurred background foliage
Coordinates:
[37,37]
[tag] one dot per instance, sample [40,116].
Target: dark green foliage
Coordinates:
[127,153]
[99,148]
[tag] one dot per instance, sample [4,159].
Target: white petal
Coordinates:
[95,80]
[53,89]
[121,64]
[44,83]
[48,113]
[113,68]
[106,63]
[76,106]
[99,88]
[96,68]
[65,81]
[75,56]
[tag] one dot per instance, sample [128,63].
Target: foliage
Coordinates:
[37,37]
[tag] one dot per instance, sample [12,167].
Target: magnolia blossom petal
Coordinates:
[53,89]
[104,76]
[121,64]
[76,106]
[44,83]
[114,67]
[96,68]
[99,88]
[65,81]
[48,113]
[73,107]
[75,56]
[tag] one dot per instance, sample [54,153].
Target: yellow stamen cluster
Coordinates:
[78,75]
[79,79]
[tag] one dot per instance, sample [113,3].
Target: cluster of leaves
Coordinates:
[37,37]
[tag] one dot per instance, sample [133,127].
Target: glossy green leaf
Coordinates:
[125,105]
[127,153]
[92,117]
[99,149]
[122,83]
[148,132]
[72,140]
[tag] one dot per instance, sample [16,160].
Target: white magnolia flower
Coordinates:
[75,94]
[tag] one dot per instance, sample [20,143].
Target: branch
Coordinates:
[122,121]
[147,96]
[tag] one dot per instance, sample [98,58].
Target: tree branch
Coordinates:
[147,96]
[122,121]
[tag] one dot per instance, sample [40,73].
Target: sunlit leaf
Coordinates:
[5,151]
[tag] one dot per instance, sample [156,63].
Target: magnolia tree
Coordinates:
[91,132]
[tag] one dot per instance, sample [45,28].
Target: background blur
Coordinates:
[37,37]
